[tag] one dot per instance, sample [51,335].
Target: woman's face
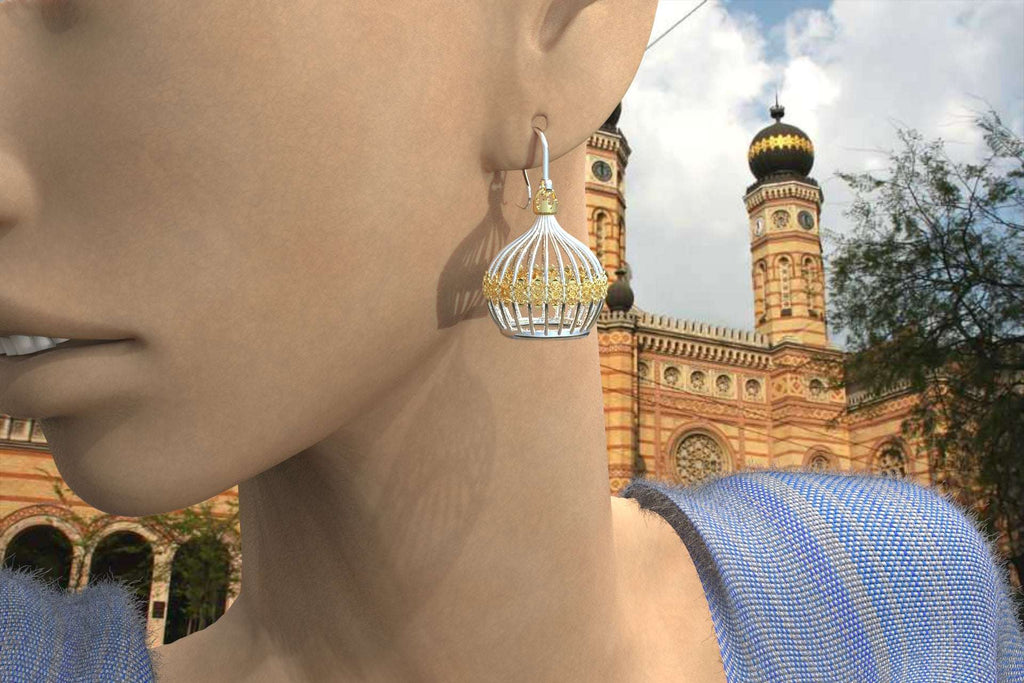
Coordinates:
[233,185]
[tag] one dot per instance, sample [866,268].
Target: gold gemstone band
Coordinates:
[518,289]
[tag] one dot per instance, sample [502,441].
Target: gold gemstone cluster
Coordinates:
[581,288]
[545,202]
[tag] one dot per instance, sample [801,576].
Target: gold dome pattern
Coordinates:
[780,142]
[780,149]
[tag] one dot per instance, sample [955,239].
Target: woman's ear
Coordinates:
[564,69]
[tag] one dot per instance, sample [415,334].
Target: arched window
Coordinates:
[621,237]
[600,231]
[809,271]
[891,461]
[819,462]
[127,557]
[200,575]
[697,457]
[760,299]
[41,547]
[785,285]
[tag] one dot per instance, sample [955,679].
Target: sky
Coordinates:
[849,73]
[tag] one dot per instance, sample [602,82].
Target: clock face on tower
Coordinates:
[780,219]
[805,219]
[602,171]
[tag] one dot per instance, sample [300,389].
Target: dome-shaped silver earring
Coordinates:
[545,284]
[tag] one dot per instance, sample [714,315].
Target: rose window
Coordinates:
[697,457]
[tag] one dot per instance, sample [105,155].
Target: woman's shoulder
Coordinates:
[54,635]
[861,575]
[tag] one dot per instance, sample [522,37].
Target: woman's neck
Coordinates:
[458,530]
[461,527]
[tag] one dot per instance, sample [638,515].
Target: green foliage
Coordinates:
[207,562]
[128,557]
[930,289]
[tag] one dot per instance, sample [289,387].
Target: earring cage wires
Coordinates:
[560,302]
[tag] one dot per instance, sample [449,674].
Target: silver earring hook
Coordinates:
[546,181]
[529,191]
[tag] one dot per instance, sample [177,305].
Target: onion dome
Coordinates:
[780,149]
[620,294]
[545,283]
[613,119]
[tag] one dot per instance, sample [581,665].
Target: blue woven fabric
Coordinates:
[814,576]
[809,576]
[51,635]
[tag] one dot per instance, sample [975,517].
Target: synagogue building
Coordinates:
[685,399]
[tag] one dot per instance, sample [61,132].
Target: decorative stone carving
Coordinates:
[698,380]
[672,375]
[697,457]
[643,370]
[817,388]
[723,383]
[752,388]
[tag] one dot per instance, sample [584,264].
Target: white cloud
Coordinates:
[847,76]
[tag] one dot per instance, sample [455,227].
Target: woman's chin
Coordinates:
[122,490]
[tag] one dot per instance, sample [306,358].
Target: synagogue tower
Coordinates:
[784,206]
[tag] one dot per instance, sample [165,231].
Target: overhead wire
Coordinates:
[685,17]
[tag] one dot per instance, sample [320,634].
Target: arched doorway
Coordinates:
[42,547]
[127,557]
[199,587]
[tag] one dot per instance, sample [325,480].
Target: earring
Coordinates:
[559,300]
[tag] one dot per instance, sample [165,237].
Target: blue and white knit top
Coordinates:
[813,576]
[809,576]
[46,634]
